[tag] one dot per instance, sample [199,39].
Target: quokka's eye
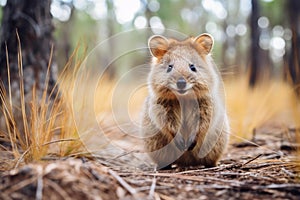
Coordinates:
[193,68]
[170,67]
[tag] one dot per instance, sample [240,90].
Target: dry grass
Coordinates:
[250,108]
[45,124]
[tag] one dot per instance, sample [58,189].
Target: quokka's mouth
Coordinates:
[182,91]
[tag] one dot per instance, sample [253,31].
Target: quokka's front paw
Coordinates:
[192,144]
[185,144]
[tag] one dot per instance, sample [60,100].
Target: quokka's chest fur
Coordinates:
[181,116]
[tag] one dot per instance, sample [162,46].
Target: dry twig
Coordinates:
[152,188]
[249,161]
[130,189]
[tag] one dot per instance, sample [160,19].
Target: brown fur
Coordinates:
[190,128]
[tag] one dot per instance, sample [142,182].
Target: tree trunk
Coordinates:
[111,69]
[255,49]
[294,57]
[33,22]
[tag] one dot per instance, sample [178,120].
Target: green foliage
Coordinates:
[275,11]
[1,13]
[80,28]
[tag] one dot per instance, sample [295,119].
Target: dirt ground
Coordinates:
[264,168]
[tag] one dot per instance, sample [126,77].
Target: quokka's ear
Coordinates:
[205,42]
[158,45]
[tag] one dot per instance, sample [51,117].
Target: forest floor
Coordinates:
[263,168]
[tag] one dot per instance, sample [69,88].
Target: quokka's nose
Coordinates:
[181,83]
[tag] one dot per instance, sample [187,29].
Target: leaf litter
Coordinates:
[269,170]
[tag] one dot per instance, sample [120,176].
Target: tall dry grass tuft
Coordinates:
[39,125]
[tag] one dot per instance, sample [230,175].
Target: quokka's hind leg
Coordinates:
[214,155]
[162,151]
[168,167]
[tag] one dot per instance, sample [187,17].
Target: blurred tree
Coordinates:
[111,71]
[32,20]
[294,57]
[255,63]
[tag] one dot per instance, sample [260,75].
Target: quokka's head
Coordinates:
[181,68]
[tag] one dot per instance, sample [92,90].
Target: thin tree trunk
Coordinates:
[111,69]
[294,57]
[255,49]
[33,22]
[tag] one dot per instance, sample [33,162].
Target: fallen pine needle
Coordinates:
[152,189]
[194,178]
[249,161]
[58,189]
[39,187]
[130,189]
[21,158]
[20,185]
[163,196]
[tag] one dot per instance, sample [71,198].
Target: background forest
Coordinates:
[230,22]
[240,28]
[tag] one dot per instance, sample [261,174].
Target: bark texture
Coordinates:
[33,22]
